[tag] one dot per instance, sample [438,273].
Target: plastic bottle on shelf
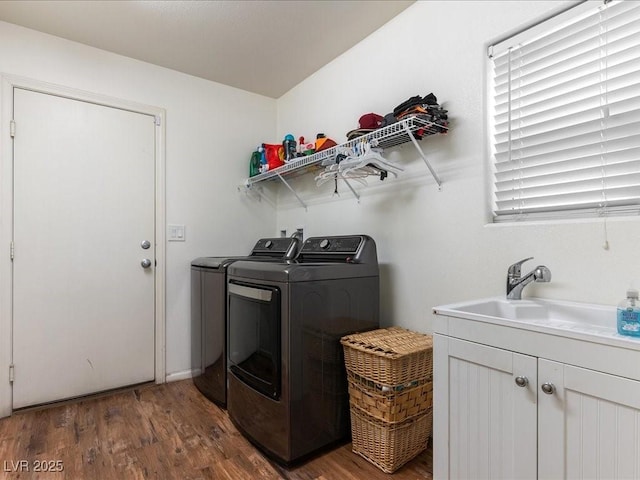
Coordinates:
[264,165]
[629,314]
[254,163]
[305,148]
[290,150]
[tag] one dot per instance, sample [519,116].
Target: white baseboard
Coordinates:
[184,375]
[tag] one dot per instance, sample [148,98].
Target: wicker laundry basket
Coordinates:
[390,394]
[389,445]
[390,405]
[389,356]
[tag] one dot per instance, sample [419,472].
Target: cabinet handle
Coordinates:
[548,388]
[522,381]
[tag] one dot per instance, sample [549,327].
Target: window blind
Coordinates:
[565,115]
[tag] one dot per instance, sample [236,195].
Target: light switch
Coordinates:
[176,233]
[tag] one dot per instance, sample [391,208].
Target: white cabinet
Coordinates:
[589,427]
[488,423]
[493,419]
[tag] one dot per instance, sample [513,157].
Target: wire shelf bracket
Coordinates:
[355,194]
[424,157]
[292,190]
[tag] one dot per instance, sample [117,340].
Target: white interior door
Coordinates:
[83,305]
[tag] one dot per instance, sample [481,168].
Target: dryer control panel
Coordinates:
[348,249]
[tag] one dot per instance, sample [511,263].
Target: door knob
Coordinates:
[145,244]
[548,388]
[146,263]
[522,381]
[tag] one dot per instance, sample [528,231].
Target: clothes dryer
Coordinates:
[208,312]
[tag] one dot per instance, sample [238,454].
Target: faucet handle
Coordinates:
[515,269]
[542,274]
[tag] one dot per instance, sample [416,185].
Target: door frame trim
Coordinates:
[7,83]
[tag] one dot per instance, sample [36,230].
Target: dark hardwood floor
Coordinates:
[165,431]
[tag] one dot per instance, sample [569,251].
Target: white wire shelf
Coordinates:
[393,135]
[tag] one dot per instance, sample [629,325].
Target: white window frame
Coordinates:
[515,204]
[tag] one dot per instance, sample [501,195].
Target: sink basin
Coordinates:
[508,309]
[534,312]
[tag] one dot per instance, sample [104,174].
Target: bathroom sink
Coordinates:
[537,313]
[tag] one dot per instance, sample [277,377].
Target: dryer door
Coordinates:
[254,336]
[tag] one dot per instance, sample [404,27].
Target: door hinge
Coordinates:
[12,128]
[12,251]
[156,120]
[12,373]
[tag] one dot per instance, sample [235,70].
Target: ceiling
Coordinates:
[262,46]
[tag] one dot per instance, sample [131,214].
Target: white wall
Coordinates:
[211,130]
[435,246]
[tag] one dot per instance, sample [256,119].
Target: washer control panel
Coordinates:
[274,247]
[345,245]
[340,249]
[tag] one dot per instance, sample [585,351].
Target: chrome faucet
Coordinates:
[516,282]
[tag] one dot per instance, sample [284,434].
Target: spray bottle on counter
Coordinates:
[629,314]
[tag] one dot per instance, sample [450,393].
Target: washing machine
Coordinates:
[208,312]
[287,383]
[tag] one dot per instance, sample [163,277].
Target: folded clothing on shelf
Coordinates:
[426,108]
[413,101]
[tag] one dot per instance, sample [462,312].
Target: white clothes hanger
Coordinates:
[369,156]
[358,162]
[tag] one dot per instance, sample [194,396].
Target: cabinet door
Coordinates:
[589,426]
[484,423]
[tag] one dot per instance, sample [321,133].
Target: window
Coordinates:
[564,99]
